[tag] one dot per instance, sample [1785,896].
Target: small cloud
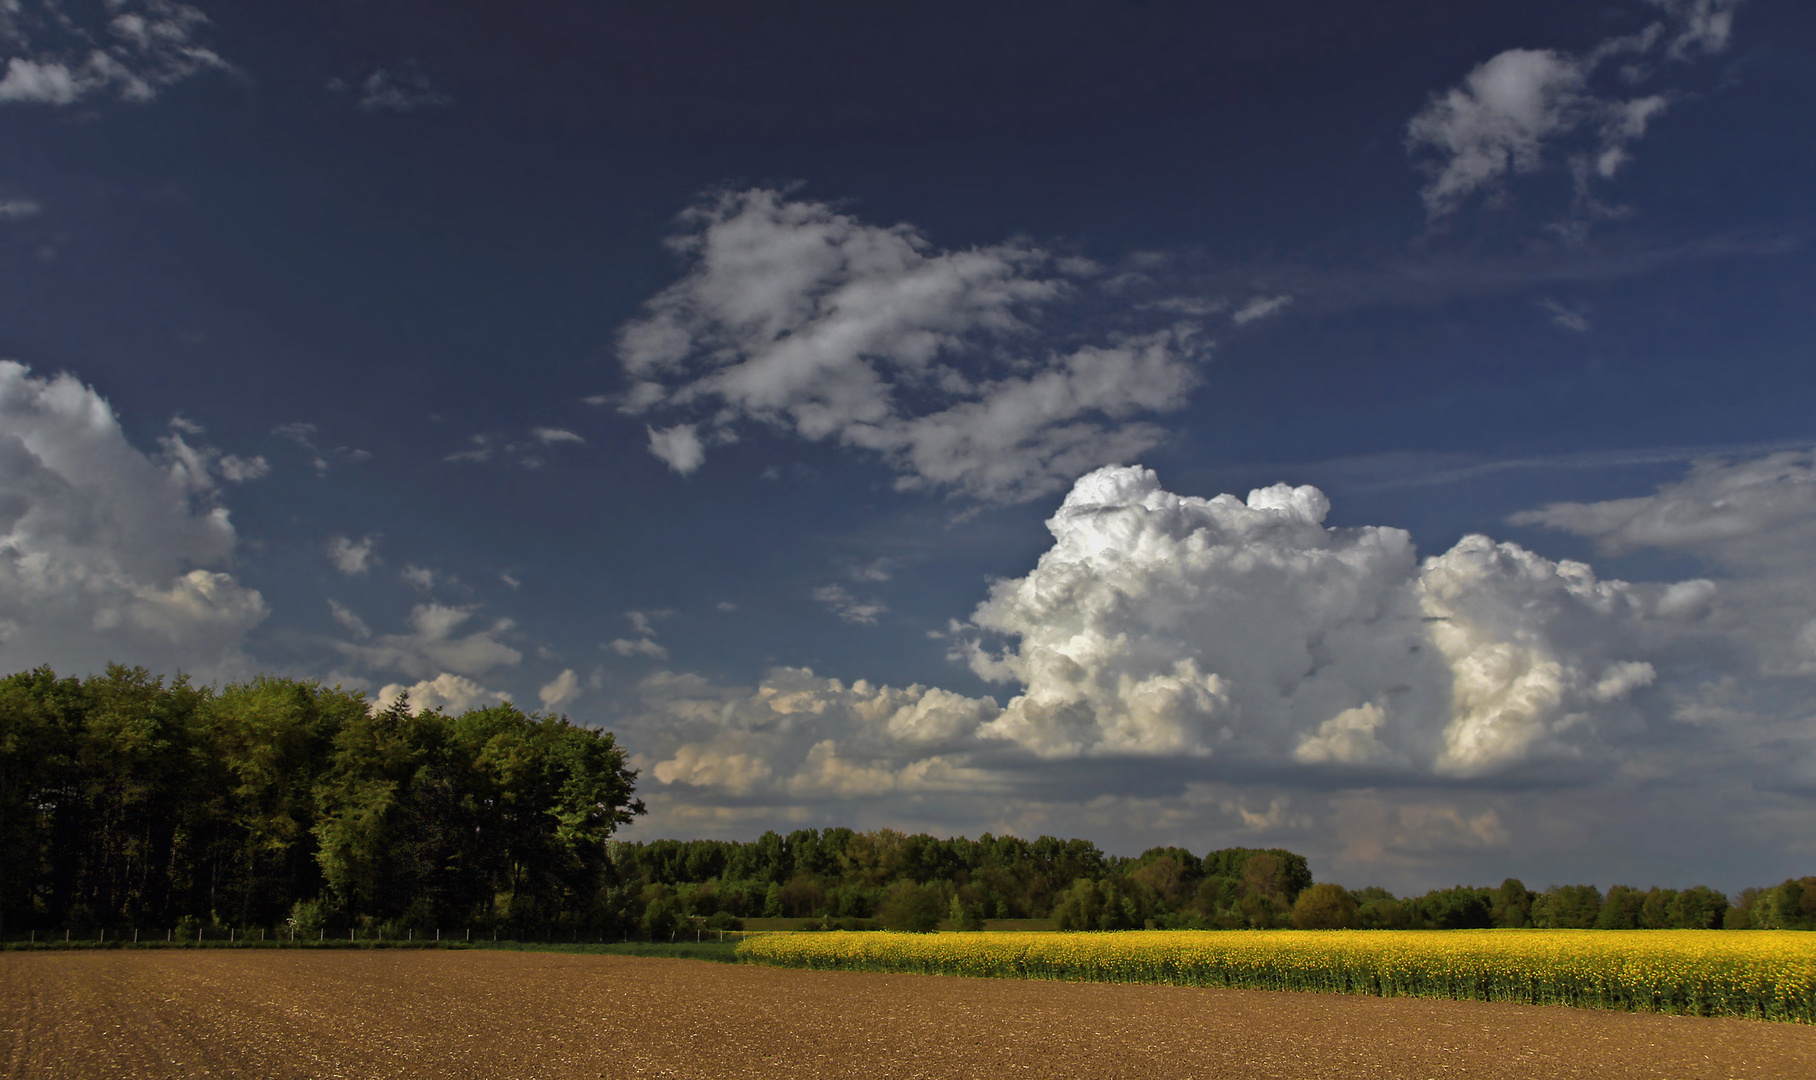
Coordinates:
[1260,307]
[346,618]
[353,557]
[402,91]
[525,452]
[597,399]
[875,571]
[509,579]
[726,605]
[678,446]
[303,435]
[1565,317]
[447,692]
[638,647]
[420,578]
[14,209]
[848,607]
[187,426]
[239,470]
[1196,307]
[643,622]
[562,690]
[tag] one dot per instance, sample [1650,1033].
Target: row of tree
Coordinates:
[841,877]
[128,801]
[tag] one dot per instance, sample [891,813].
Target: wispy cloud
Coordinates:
[404,90]
[143,47]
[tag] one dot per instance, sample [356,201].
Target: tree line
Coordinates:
[127,801]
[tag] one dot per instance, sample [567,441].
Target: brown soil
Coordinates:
[272,1014]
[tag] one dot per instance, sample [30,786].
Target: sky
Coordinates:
[1382,431]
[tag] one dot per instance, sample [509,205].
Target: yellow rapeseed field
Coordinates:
[1757,973]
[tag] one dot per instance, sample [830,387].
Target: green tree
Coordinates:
[1567,907]
[911,907]
[1325,906]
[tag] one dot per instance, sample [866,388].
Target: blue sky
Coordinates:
[739,376]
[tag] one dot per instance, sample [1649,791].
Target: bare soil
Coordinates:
[274,1015]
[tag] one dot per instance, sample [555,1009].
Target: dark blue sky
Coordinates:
[381,281]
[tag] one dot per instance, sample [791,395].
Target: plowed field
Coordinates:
[274,1015]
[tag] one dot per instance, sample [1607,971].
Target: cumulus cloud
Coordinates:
[1166,624]
[144,47]
[679,447]
[105,552]
[563,689]
[1522,106]
[808,320]
[1187,666]
[638,647]
[1161,626]
[432,645]
[447,692]
[353,557]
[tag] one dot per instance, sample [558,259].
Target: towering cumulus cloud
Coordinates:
[805,319]
[106,553]
[1168,624]
[1241,630]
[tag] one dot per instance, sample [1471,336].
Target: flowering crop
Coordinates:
[1763,974]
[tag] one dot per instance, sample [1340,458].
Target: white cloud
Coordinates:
[1514,109]
[1568,318]
[679,447]
[1701,25]
[638,647]
[1204,668]
[320,459]
[849,608]
[354,557]
[563,689]
[105,552]
[527,453]
[794,315]
[349,620]
[1752,522]
[450,693]
[399,91]
[431,645]
[15,209]
[146,46]
[420,578]
[1162,624]
[1260,307]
